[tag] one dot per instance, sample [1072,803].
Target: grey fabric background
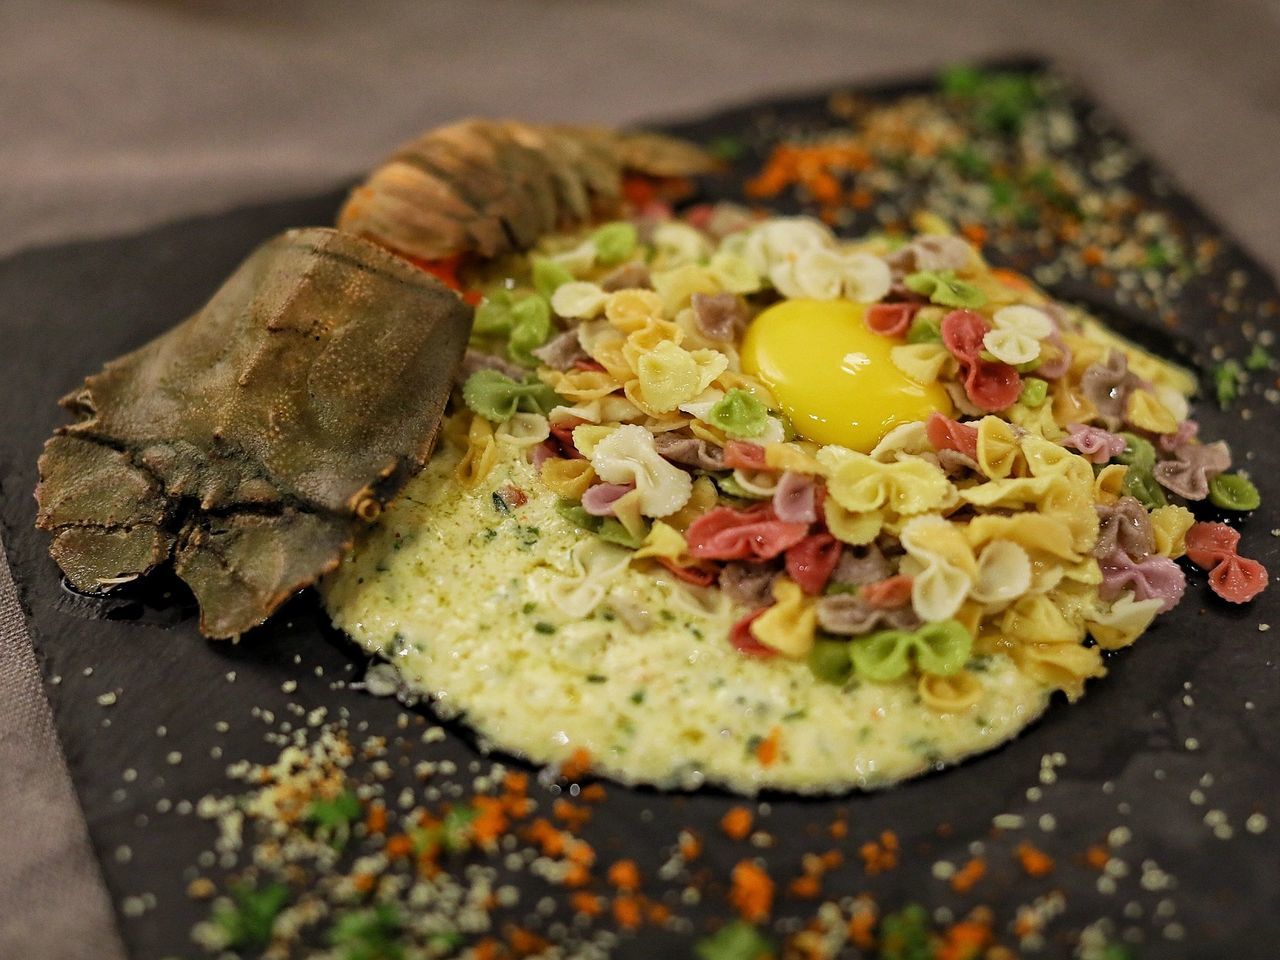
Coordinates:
[118,115]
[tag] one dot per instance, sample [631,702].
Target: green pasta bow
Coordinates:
[940,648]
[739,414]
[945,289]
[1230,491]
[615,242]
[495,396]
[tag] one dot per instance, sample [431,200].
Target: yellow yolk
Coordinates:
[832,376]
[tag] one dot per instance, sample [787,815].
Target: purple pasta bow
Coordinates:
[795,499]
[1155,577]
[1108,385]
[1126,526]
[1094,444]
[1192,467]
[1186,432]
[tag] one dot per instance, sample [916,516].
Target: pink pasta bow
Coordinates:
[1154,577]
[1093,443]
[989,385]
[1212,547]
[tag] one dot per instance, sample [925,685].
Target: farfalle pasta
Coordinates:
[839,472]
[1035,479]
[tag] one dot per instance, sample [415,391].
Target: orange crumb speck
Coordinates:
[399,846]
[1035,863]
[806,887]
[577,876]
[690,847]
[861,199]
[751,893]
[736,824]
[578,764]
[862,927]
[1092,256]
[880,856]
[571,815]
[1097,856]
[525,943]
[626,911]
[964,941]
[767,751]
[657,913]
[594,793]
[968,876]
[363,882]
[486,949]
[975,233]
[375,820]
[490,822]
[587,904]
[625,875]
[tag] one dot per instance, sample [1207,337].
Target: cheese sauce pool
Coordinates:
[459,593]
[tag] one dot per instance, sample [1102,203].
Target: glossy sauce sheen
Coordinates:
[458,593]
[832,376]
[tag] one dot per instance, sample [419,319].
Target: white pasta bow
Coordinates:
[578,300]
[1004,574]
[1017,333]
[627,455]
[823,274]
[772,247]
[941,564]
[676,244]
[596,565]
[1122,622]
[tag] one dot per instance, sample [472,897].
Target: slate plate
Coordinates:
[1176,741]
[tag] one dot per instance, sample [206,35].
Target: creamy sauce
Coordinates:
[460,593]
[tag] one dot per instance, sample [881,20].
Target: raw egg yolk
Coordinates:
[832,375]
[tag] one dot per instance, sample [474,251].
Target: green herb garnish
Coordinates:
[1228,377]
[737,940]
[250,918]
[371,934]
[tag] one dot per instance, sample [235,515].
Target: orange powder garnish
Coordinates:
[1097,856]
[626,910]
[375,820]
[586,903]
[752,891]
[578,764]
[690,846]
[736,824]
[967,876]
[1036,863]
[491,821]
[363,882]
[398,846]
[625,875]
[964,941]
[882,856]
[862,927]
[594,793]
[767,751]
[572,816]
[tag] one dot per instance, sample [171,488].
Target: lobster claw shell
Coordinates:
[248,444]
[489,187]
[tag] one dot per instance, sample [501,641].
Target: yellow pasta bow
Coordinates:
[668,377]
[922,362]
[855,529]
[788,626]
[632,310]
[567,478]
[1046,645]
[578,385]
[1120,623]
[703,497]
[1031,531]
[953,694]
[903,441]
[1108,485]
[860,484]
[1038,420]
[627,455]
[675,288]
[523,430]
[998,450]
[1143,410]
[480,456]
[1170,525]
[942,565]
[605,344]
[798,457]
